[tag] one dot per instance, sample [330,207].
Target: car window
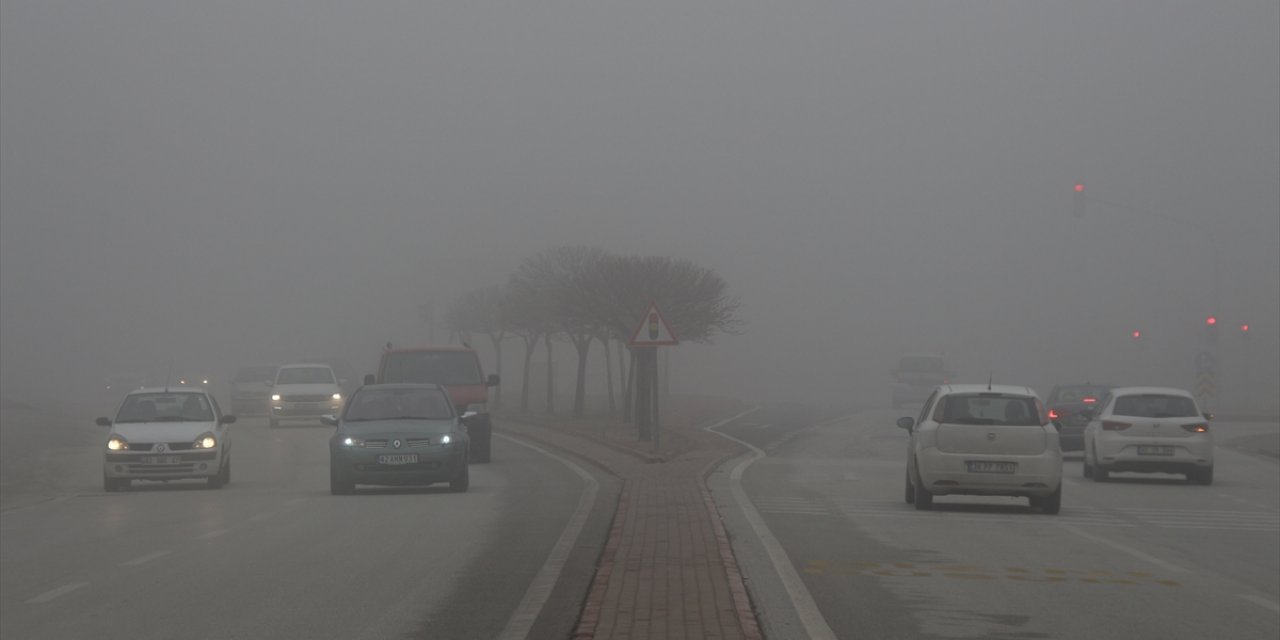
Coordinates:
[989,409]
[924,412]
[305,375]
[255,374]
[434,367]
[385,404]
[165,407]
[1155,406]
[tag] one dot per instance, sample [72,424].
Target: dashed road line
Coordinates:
[145,559]
[213,534]
[56,593]
[1262,602]
[1168,566]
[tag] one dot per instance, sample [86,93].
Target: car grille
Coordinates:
[161,469]
[137,447]
[418,442]
[375,444]
[307,398]
[132,456]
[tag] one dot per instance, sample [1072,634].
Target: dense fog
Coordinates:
[195,186]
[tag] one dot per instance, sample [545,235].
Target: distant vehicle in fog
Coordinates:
[457,369]
[250,389]
[1149,430]
[983,440]
[167,434]
[916,376]
[1067,405]
[304,392]
[398,435]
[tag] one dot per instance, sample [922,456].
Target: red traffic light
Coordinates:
[1079,187]
[1211,320]
[1244,328]
[1137,334]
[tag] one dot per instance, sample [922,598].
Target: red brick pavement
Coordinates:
[667,570]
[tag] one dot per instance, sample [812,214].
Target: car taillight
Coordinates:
[1112,425]
[1054,415]
[1196,428]
[1089,400]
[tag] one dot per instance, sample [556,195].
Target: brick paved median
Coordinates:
[667,570]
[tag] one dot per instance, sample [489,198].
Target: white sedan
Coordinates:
[1150,430]
[984,440]
[167,434]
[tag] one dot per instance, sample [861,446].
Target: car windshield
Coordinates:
[255,374]
[388,404]
[1077,393]
[305,375]
[433,367]
[1155,406]
[984,409]
[921,364]
[165,407]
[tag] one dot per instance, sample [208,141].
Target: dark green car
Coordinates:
[398,435]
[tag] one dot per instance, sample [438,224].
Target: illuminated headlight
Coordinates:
[446,440]
[275,397]
[337,396]
[116,443]
[352,442]
[205,441]
[204,382]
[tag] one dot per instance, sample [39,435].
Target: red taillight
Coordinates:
[1196,428]
[1053,414]
[1112,425]
[1089,400]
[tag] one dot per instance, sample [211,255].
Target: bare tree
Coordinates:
[484,310]
[529,316]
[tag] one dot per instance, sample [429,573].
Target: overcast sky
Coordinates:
[221,182]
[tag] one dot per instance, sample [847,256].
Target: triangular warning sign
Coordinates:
[653,330]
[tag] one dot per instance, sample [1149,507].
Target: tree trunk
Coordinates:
[496,339]
[583,345]
[608,375]
[530,343]
[551,387]
[628,389]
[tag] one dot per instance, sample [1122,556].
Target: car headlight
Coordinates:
[276,397]
[352,442]
[117,443]
[337,396]
[446,439]
[205,441]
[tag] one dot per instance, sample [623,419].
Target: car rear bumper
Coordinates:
[947,473]
[1116,454]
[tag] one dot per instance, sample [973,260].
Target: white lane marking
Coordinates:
[764,426]
[56,593]
[535,598]
[144,559]
[1261,601]
[1168,566]
[815,626]
[213,534]
[262,516]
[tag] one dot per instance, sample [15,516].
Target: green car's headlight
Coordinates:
[352,442]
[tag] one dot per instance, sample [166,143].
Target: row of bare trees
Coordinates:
[586,295]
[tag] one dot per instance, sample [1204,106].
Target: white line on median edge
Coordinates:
[815,626]
[56,593]
[1259,600]
[1168,566]
[521,621]
[147,558]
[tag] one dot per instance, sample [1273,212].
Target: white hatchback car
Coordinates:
[305,392]
[167,434]
[983,440]
[1151,430]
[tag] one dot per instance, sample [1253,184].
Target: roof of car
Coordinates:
[442,347]
[1164,391]
[305,364]
[403,385]
[1006,389]
[177,388]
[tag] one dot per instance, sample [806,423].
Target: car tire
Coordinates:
[226,473]
[112,485]
[340,484]
[910,494]
[1201,476]
[923,499]
[1101,474]
[481,442]
[273,423]
[1050,504]
[1086,468]
[215,481]
[461,482]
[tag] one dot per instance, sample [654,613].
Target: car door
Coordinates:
[924,413]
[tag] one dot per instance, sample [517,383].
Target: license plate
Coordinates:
[161,459]
[1155,451]
[982,466]
[401,458]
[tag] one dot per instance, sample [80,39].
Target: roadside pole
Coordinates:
[651,332]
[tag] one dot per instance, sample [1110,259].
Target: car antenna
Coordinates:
[168,372]
[989,376]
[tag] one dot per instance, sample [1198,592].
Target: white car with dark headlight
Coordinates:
[167,434]
[984,440]
[1149,430]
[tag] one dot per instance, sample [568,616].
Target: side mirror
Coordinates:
[103,422]
[1208,416]
[329,420]
[468,416]
[493,380]
[369,379]
[906,422]
[227,419]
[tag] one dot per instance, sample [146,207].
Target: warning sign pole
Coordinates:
[651,332]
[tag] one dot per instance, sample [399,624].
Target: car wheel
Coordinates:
[923,499]
[340,484]
[1050,504]
[1201,476]
[115,484]
[1101,474]
[910,495]
[1086,468]
[273,423]
[226,472]
[462,480]
[215,481]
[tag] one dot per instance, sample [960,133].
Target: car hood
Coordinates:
[162,431]
[306,389]
[399,427]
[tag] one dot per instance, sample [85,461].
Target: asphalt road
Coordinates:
[274,555]
[830,549]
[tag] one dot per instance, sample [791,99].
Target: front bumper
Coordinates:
[362,466]
[946,474]
[163,466]
[304,410]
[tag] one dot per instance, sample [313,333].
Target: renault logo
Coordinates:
[160,447]
[395,443]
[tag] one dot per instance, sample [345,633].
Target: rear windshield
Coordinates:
[389,404]
[1155,406]
[305,375]
[165,407]
[256,374]
[992,409]
[1077,393]
[921,364]
[432,367]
